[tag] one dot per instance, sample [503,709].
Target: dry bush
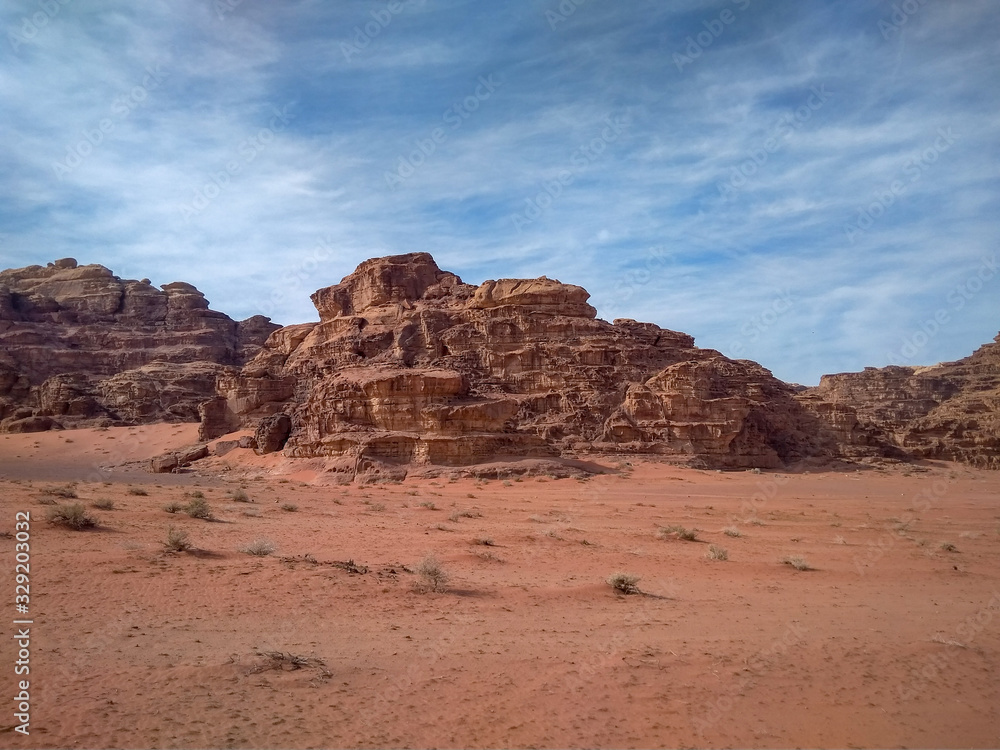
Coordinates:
[715,552]
[732,531]
[198,508]
[174,507]
[797,562]
[66,492]
[624,583]
[431,573]
[290,507]
[485,541]
[428,505]
[138,491]
[677,532]
[454,517]
[241,496]
[177,540]
[259,548]
[104,503]
[72,516]
[948,547]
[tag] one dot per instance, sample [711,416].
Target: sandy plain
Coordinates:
[891,639]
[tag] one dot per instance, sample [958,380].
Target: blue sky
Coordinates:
[813,185]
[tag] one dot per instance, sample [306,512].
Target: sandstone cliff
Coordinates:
[409,364]
[78,345]
[948,411]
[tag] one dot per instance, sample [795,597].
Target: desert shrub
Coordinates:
[290,507]
[66,492]
[677,532]
[104,503]
[431,573]
[177,540]
[46,500]
[198,495]
[796,562]
[72,516]
[259,548]
[241,496]
[948,547]
[732,531]
[624,583]
[198,508]
[458,514]
[428,505]
[173,507]
[484,541]
[715,552]
[376,507]
[139,491]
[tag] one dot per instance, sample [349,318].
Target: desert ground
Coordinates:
[888,637]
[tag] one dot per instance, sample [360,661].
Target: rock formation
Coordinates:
[410,365]
[948,411]
[79,346]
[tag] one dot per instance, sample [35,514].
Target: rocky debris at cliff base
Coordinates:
[176,460]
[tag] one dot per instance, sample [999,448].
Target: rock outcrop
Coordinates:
[80,346]
[948,411]
[408,364]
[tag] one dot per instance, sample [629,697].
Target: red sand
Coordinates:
[890,641]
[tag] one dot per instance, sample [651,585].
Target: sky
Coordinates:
[811,185]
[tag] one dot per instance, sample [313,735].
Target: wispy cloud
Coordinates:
[732,187]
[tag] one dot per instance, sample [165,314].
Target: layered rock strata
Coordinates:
[80,346]
[408,364]
[948,411]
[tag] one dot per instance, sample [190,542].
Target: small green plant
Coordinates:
[624,583]
[241,496]
[104,503]
[797,562]
[732,531]
[715,552]
[677,532]
[290,507]
[431,573]
[259,548]
[198,508]
[173,507]
[177,540]
[138,491]
[72,516]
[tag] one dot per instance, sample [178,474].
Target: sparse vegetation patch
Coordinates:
[73,516]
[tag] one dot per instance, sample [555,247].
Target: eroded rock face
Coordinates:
[408,364]
[79,346]
[949,411]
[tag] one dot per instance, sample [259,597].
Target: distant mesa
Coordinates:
[410,366]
